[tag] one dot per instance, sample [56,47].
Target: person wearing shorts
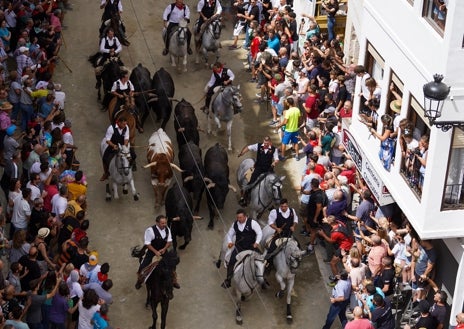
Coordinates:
[291,123]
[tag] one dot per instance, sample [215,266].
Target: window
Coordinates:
[414,145]
[453,194]
[435,13]
[374,63]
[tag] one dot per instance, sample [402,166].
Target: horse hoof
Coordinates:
[125,191]
[280,294]
[136,197]
[210,226]
[108,198]
[239,321]
[183,247]
[289,318]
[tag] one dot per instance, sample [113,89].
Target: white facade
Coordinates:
[413,50]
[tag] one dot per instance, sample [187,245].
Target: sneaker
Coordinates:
[310,249]
[304,233]
[273,122]
[165,52]
[259,95]
[233,47]
[282,158]
[252,80]
[297,157]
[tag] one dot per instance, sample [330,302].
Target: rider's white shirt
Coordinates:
[273,215]
[254,225]
[150,235]
[110,132]
[201,3]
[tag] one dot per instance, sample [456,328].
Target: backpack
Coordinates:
[342,228]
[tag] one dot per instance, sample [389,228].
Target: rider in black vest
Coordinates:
[267,157]
[283,226]
[208,9]
[111,9]
[119,130]
[172,16]
[157,246]
[247,234]
[221,76]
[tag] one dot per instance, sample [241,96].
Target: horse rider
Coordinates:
[112,9]
[172,16]
[157,239]
[206,9]
[221,76]
[284,221]
[267,156]
[116,134]
[109,47]
[247,234]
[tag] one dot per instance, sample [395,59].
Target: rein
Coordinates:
[260,202]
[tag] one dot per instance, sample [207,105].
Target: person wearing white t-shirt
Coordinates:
[60,202]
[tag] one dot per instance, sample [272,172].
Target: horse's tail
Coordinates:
[138,252]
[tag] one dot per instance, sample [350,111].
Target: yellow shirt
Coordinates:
[75,190]
[72,209]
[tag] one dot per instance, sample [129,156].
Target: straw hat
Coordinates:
[43,232]
[6,106]
[395,106]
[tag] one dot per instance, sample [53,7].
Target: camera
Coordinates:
[417,151]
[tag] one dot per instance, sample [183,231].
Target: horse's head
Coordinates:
[234,96]
[129,102]
[258,261]
[165,280]
[216,28]
[293,255]
[123,160]
[181,34]
[276,186]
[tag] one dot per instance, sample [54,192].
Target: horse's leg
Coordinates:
[204,53]
[173,61]
[108,192]
[211,216]
[147,301]
[115,190]
[124,189]
[209,123]
[185,63]
[164,311]
[154,315]
[133,190]
[238,310]
[281,282]
[290,284]
[229,134]
[218,122]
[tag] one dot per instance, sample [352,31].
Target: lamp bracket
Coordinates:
[447,125]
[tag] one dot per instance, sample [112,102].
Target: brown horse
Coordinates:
[127,110]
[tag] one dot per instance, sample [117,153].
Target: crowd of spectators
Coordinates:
[379,252]
[54,280]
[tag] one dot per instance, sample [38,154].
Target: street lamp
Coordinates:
[435,93]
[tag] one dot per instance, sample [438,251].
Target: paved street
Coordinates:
[117,226]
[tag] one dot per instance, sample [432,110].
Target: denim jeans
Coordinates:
[330,27]
[337,308]
[27,113]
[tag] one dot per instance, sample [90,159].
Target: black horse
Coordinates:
[110,73]
[118,27]
[159,287]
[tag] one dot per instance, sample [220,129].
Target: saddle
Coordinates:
[146,271]
[256,182]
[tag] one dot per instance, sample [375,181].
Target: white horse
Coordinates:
[286,262]
[265,194]
[178,45]
[226,102]
[248,274]
[120,170]
[210,40]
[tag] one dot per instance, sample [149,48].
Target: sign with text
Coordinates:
[373,180]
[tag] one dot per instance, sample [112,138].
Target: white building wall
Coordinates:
[411,48]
